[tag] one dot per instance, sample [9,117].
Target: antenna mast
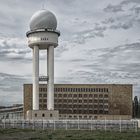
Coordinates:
[44,4]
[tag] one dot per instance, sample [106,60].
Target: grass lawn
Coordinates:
[27,134]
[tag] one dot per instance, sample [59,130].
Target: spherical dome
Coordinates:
[43,19]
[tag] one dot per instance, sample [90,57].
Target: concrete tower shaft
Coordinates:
[43,35]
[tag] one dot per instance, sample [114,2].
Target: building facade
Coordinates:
[85,101]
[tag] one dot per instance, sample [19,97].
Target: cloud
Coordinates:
[14,49]
[94,32]
[113,8]
[99,42]
[124,15]
[11,88]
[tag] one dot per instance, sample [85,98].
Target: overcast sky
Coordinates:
[99,43]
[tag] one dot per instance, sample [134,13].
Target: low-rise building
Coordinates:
[85,101]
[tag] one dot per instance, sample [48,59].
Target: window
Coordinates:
[40,106]
[45,95]
[105,106]
[90,101]
[43,115]
[64,90]
[58,90]
[64,100]
[105,101]
[95,95]
[106,96]
[35,114]
[65,95]
[95,111]
[85,101]
[90,95]
[80,101]
[101,111]
[85,106]
[90,111]
[100,106]
[80,95]
[107,90]
[96,89]
[44,100]
[105,112]
[51,115]
[40,89]
[85,95]
[85,111]
[95,101]
[80,111]
[44,89]
[68,89]
[78,89]
[75,95]
[69,101]
[59,95]
[101,89]
[100,101]
[101,96]
[70,95]
[60,101]
[95,106]
[75,101]
[40,95]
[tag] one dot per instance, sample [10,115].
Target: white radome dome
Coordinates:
[43,19]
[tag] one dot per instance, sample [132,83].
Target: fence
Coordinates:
[105,125]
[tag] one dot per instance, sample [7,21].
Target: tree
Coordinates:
[136,106]
[139,108]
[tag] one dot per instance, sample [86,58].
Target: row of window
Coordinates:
[77,95]
[81,107]
[83,112]
[43,115]
[75,101]
[76,90]
[75,106]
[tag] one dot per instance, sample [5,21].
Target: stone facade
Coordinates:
[85,101]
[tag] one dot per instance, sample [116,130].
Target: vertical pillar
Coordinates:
[50,71]
[35,78]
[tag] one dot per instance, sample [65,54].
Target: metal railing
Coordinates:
[104,125]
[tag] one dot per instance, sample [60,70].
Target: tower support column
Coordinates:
[50,71]
[35,78]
